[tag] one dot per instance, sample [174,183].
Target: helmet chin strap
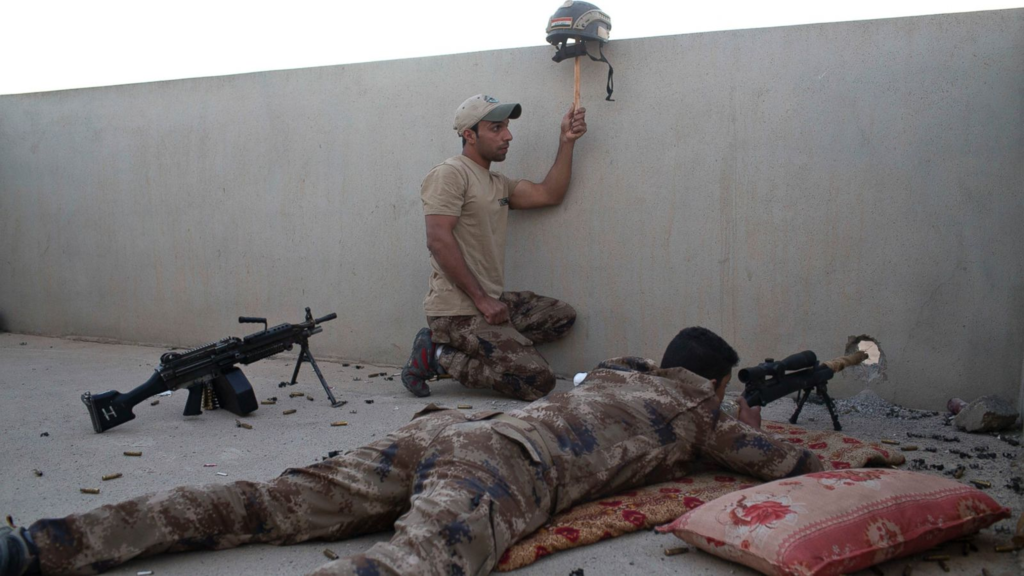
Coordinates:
[564,51]
[611,71]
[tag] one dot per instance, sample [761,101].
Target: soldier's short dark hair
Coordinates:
[702,352]
[476,130]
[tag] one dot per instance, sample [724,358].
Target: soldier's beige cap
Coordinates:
[483,107]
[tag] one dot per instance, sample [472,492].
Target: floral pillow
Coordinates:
[650,506]
[836,522]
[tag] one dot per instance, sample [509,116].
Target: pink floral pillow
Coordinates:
[836,522]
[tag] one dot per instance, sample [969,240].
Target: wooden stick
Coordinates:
[576,90]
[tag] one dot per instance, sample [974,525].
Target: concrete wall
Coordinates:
[787,187]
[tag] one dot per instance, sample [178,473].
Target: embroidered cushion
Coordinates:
[657,504]
[836,522]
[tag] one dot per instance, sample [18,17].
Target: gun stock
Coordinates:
[113,408]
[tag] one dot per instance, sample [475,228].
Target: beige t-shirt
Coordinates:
[463,188]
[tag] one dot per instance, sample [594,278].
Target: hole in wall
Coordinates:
[873,368]
[871,348]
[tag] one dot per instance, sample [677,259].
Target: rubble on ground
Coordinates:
[869,403]
[986,414]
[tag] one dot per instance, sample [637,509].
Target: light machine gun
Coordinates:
[210,373]
[800,373]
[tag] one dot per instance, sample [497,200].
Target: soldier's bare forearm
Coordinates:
[445,249]
[556,183]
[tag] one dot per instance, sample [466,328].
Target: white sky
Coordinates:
[59,44]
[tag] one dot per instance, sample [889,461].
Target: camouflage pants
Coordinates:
[502,357]
[452,489]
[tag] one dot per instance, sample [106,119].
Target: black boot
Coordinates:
[421,366]
[18,554]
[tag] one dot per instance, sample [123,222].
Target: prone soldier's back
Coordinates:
[628,424]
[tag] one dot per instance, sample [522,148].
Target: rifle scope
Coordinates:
[798,361]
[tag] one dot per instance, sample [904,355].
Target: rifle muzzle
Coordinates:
[838,364]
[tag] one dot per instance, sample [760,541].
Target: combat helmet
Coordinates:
[582,22]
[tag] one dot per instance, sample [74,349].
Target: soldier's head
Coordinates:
[482,122]
[704,353]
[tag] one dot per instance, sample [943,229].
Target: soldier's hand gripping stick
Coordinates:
[212,370]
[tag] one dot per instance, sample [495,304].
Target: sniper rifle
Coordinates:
[800,373]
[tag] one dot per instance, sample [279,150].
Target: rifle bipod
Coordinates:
[802,397]
[306,356]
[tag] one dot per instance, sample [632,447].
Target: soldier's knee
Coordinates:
[529,384]
[566,317]
[545,383]
[537,384]
[570,316]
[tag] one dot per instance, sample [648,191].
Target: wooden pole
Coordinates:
[576,90]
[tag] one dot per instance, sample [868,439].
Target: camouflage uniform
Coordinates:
[502,357]
[458,490]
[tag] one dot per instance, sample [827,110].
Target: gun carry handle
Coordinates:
[253,320]
[838,364]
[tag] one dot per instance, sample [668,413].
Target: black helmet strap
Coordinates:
[564,51]
[611,83]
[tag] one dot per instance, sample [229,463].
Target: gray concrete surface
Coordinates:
[41,380]
[786,187]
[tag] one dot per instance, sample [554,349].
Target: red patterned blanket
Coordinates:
[662,503]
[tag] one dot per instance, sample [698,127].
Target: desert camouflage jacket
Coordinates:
[631,424]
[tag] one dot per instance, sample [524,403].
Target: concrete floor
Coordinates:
[46,428]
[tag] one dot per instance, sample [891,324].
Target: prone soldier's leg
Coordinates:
[482,355]
[362,491]
[539,318]
[482,495]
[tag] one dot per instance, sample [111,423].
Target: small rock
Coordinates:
[955,405]
[986,414]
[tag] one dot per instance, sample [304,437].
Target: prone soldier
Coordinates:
[457,490]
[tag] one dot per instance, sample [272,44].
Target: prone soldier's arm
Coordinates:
[744,449]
